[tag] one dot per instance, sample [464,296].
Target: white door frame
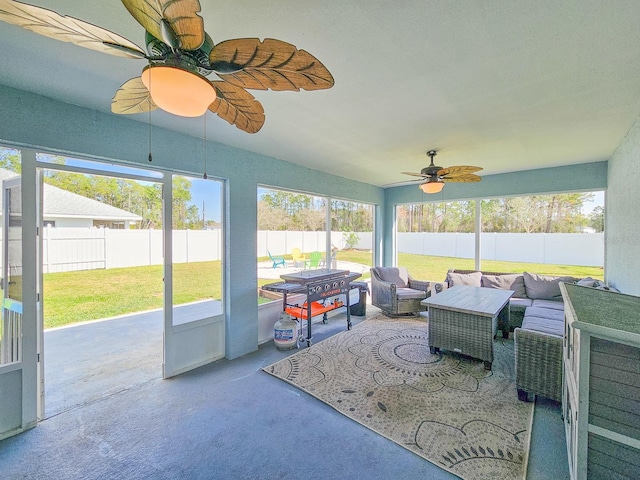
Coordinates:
[19,380]
[196,343]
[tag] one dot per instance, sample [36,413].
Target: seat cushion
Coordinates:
[556,305]
[513,282]
[399,276]
[543,325]
[471,279]
[410,293]
[520,303]
[541,312]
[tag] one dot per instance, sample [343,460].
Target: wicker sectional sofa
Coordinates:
[538,353]
[530,290]
[538,348]
[537,319]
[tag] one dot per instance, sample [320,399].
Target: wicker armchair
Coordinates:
[395,293]
[538,364]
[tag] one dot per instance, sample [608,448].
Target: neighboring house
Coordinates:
[67,209]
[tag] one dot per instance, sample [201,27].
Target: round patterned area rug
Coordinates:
[444,407]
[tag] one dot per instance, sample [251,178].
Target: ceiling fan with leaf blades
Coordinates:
[180,55]
[435,177]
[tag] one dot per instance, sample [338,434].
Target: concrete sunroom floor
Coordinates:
[230,420]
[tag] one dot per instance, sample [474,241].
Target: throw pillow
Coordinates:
[471,279]
[513,282]
[586,282]
[544,287]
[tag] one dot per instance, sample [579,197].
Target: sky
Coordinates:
[598,201]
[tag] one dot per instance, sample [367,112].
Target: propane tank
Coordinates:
[285,333]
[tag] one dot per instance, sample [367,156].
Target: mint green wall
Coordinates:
[622,228]
[30,120]
[582,177]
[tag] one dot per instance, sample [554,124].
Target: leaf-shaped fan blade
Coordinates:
[132,97]
[186,27]
[238,107]
[466,178]
[415,174]
[67,29]
[271,64]
[458,170]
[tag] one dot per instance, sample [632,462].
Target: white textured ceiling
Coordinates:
[503,84]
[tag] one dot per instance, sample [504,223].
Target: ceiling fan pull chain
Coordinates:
[205,147]
[149,123]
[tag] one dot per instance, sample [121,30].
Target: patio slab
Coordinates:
[89,361]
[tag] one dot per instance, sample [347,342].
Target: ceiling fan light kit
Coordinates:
[432,186]
[178,91]
[180,56]
[434,177]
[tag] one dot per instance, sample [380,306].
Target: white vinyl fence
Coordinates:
[281,242]
[67,249]
[553,248]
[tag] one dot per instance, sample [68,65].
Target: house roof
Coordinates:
[64,204]
[507,85]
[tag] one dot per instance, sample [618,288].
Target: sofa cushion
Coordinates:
[544,287]
[556,305]
[600,285]
[472,279]
[540,312]
[409,293]
[513,282]
[520,303]
[399,276]
[543,325]
[587,282]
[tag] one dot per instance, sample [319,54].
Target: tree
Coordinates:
[531,214]
[143,199]
[280,210]
[596,219]
[437,217]
[350,239]
[184,215]
[10,160]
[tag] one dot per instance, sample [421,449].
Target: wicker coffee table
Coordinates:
[464,319]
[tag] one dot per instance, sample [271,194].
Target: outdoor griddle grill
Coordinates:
[320,286]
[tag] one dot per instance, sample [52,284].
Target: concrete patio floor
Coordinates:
[110,415]
[90,361]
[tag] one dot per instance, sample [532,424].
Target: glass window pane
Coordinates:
[351,236]
[11,258]
[291,230]
[435,237]
[197,248]
[558,234]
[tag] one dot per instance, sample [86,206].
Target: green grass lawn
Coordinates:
[435,268]
[72,297]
